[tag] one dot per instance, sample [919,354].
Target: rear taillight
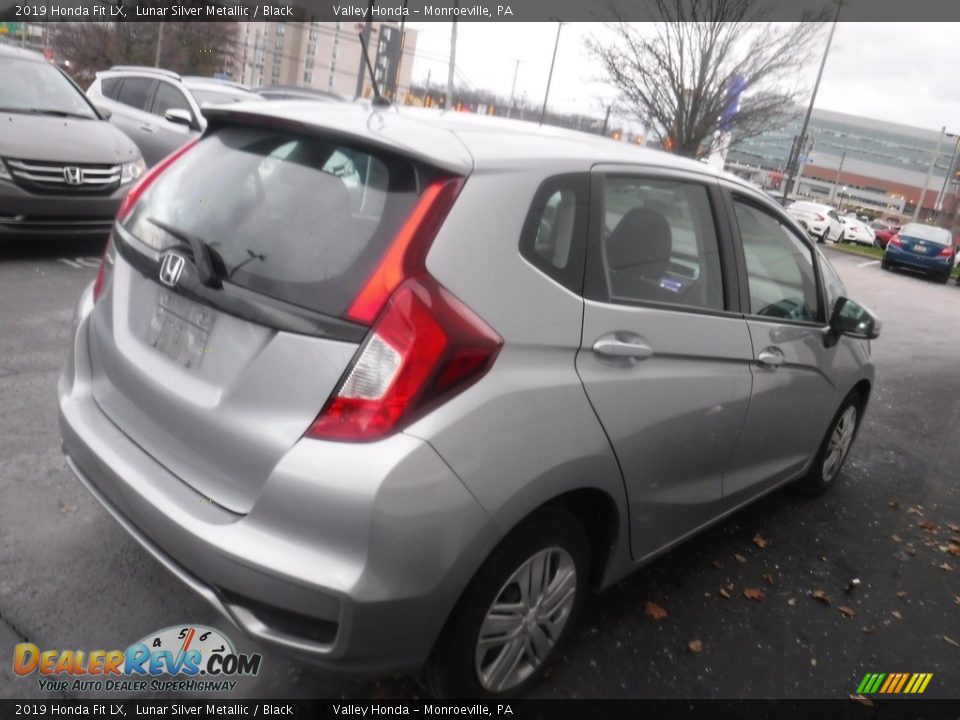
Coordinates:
[137,190]
[407,252]
[104,271]
[894,240]
[946,252]
[425,347]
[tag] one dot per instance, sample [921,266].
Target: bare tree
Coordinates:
[675,74]
[194,48]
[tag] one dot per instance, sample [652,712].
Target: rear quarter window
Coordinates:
[555,231]
[298,218]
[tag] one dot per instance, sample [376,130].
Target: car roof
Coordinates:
[461,141]
[20,54]
[207,83]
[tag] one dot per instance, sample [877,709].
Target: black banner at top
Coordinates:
[459,10]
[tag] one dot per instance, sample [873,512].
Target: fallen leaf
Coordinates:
[813,662]
[953,527]
[753,593]
[655,611]
[759,541]
[717,564]
[895,504]
[946,567]
[867,629]
[724,593]
[847,611]
[896,614]
[791,602]
[768,578]
[902,594]
[695,646]
[951,641]
[739,558]
[862,700]
[911,550]
[896,538]
[915,510]
[929,526]
[956,600]
[953,549]
[821,596]
[67,508]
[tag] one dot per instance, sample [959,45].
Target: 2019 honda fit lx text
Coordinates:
[393,389]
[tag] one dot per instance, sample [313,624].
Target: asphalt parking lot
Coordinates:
[877,546]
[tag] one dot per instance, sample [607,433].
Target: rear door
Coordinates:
[218,383]
[665,354]
[794,389]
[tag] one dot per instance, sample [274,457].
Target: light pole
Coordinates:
[843,194]
[513,88]
[926,181]
[946,179]
[453,60]
[836,182]
[792,166]
[546,95]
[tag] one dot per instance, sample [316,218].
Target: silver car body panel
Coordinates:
[207,467]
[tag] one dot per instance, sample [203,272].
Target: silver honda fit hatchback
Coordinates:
[393,390]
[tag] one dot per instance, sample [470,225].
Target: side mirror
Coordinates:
[104,113]
[848,318]
[180,117]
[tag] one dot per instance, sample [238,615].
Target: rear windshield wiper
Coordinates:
[201,253]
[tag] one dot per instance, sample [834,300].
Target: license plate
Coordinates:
[920,249]
[179,328]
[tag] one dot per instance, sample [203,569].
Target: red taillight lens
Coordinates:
[407,252]
[894,240]
[103,272]
[143,183]
[425,347]
[946,252]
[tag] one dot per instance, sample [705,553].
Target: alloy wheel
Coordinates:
[526,619]
[839,444]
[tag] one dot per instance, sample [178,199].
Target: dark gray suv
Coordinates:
[63,168]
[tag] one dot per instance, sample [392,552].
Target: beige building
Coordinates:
[324,56]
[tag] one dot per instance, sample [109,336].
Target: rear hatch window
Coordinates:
[298,218]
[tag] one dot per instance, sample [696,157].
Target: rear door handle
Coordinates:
[148,128]
[770,357]
[622,345]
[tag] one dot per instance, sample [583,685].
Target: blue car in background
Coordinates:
[921,247]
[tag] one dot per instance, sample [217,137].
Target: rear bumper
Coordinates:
[25,214]
[926,263]
[354,568]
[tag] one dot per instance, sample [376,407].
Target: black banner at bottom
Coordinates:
[856,708]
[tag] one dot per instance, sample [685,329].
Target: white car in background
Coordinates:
[820,221]
[856,231]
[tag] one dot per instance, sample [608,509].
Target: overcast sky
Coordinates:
[902,72]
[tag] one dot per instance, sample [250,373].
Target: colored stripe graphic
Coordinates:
[894,683]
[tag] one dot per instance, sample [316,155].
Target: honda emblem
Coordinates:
[73,175]
[170,269]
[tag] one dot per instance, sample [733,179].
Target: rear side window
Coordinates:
[660,243]
[555,232]
[301,219]
[135,92]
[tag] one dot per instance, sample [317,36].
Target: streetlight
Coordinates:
[946,179]
[556,44]
[843,194]
[792,167]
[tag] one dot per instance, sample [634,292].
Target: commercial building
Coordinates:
[325,56]
[857,162]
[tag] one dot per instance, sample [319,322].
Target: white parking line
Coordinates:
[71,263]
[869,262]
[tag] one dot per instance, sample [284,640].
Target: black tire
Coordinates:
[885,264]
[452,670]
[821,478]
[943,278]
